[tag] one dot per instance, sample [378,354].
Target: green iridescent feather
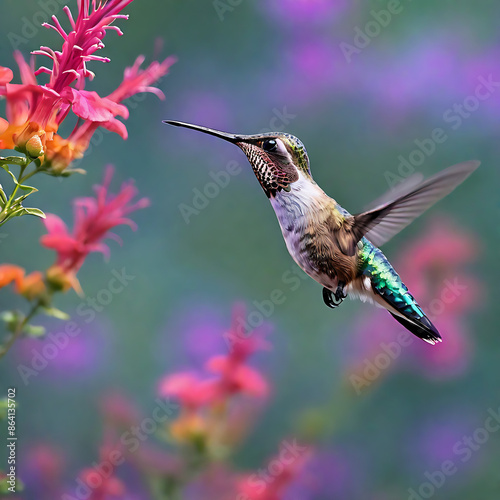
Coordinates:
[386,281]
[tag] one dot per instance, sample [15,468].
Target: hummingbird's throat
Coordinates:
[270,172]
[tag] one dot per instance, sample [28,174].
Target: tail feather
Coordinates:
[423,329]
[390,292]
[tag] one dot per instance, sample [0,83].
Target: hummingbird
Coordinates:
[339,250]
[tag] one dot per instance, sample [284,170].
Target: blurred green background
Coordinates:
[254,66]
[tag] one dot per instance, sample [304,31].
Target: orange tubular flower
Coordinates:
[11,274]
[31,286]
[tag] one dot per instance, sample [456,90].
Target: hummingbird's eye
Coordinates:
[269,145]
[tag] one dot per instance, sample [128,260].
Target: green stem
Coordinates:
[20,180]
[19,329]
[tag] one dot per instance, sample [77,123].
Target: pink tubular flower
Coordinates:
[205,400]
[135,80]
[433,268]
[190,390]
[235,376]
[104,486]
[34,109]
[285,468]
[94,218]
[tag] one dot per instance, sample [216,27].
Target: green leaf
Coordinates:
[6,168]
[35,211]
[15,160]
[30,189]
[65,173]
[34,330]
[17,212]
[3,197]
[71,171]
[3,408]
[56,313]
[11,319]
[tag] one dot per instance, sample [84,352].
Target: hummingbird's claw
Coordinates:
[334,300]
[340,293]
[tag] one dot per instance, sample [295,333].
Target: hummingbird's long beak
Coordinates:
[217,133]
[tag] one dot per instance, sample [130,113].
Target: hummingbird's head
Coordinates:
[277,159]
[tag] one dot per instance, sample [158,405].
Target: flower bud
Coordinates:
[32,137]
[34,146]
[32,286]
[58,279]
[60,153]
[189,427]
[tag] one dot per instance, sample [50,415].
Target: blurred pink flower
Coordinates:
[118,410]
[433,269]
[450,358]
[94,218]
[233,375]
[104,486]
[189,389]
[41,470]
[281,471]
[206,413]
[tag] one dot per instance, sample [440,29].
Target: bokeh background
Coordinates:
[245,67]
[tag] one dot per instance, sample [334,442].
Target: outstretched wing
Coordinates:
[382,223]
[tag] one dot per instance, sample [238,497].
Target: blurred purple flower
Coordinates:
[206,108]
[215,483]
[311,69]
[430,69]
[444,437]
[433,444]
[60,355]
[305,12]
[195,334]
[325,475]
[40,469]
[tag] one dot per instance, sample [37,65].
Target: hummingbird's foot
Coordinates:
[334,300]
[340,293]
